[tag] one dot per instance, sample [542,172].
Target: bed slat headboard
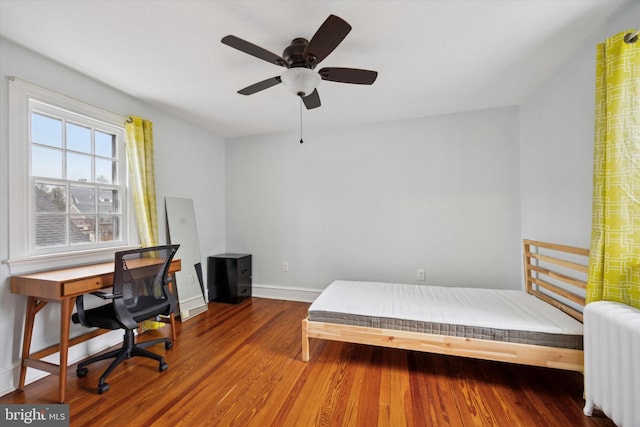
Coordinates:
[557,274]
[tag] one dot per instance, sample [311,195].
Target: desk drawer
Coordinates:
[84,286]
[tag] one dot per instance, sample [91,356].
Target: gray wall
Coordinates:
[377,202]
[189,163]
[556,145]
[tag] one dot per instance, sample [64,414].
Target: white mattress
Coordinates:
[497,309]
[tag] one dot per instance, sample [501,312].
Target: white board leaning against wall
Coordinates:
[181,224]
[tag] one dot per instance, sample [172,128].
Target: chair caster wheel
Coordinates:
[168,345]
[82,372]
[163,366]
[102,388]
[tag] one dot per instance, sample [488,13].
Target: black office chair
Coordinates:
[140,292]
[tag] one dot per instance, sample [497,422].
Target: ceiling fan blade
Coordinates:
[326,39]
[257,87]
[348,75]
[312,101]
[253,50]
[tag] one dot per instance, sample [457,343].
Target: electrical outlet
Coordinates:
[420,274]
[285,266]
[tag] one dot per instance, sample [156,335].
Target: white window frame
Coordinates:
[23,257]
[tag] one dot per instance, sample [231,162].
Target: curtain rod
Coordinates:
[632,37]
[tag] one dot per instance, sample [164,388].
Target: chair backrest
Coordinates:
[141,276]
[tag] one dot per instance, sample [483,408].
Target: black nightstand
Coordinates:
[229,277]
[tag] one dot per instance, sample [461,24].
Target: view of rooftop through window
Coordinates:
[75,179]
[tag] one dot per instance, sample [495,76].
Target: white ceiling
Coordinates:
[433,56]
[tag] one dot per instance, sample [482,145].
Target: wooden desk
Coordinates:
[60,286]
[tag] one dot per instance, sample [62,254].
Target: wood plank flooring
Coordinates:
[241,365]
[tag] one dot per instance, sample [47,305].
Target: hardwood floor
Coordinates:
[241,365]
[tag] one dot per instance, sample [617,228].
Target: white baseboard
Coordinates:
[284,293]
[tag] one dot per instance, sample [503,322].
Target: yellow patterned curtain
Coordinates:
[142,178]
[614,265]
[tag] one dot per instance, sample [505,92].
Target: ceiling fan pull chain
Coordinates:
[301,141]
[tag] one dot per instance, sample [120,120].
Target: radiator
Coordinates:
[612,361]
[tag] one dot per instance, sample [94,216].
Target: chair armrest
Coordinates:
[80,310]
[106,295]
[82,317]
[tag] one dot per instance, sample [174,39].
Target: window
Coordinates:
[68,192]
[75,180]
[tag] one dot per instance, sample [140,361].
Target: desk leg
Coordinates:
[65,322]
[172,318]
[33,306]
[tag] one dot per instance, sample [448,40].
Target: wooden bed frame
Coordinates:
[554,273]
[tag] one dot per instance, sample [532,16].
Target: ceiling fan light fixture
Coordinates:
[300,81]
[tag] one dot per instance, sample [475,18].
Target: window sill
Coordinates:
[62,260]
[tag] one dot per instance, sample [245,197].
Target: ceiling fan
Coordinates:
[300,58]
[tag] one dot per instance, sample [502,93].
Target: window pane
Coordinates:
[78,138]
[82,229]
[83,200]
[108,201]
[105,144]
[51,230]
[46,162]
[105,171]
[51,198]
[46,130]
[109,228]
[78,167]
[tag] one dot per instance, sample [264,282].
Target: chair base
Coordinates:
[128,350]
